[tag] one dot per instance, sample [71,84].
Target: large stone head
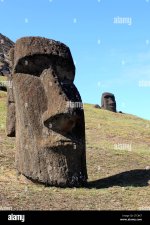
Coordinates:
[50,127]
[108,102]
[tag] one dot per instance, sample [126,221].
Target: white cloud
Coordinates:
[99,42]
[74,20]
[143,57]
[26,20]
[123,62]
[147,42]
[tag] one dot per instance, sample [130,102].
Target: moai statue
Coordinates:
[50,126]
[11,112]
[108,102]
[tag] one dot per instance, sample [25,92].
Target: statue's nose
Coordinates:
[62,123]
[111,101]
[60,116]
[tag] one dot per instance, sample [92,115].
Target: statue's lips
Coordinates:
[64,143]
[60,143]
[51,139]
[112,105]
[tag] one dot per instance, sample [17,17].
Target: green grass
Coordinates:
[118,179]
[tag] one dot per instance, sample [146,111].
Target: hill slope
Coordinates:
[118,161]
[5,45]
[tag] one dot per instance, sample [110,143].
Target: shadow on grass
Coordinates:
[136,178]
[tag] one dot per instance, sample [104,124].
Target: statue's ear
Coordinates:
[11,111]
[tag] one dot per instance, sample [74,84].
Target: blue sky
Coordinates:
[113,57]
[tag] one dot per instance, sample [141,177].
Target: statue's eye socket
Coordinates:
[109,97]
[65,82]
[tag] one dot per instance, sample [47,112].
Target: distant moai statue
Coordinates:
[108,102]
[50,126]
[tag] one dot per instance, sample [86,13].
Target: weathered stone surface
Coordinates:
[108,102]
[50,127]
[51,53]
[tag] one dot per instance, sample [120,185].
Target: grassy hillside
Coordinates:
[118,161]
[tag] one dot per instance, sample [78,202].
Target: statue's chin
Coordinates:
[112,108]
